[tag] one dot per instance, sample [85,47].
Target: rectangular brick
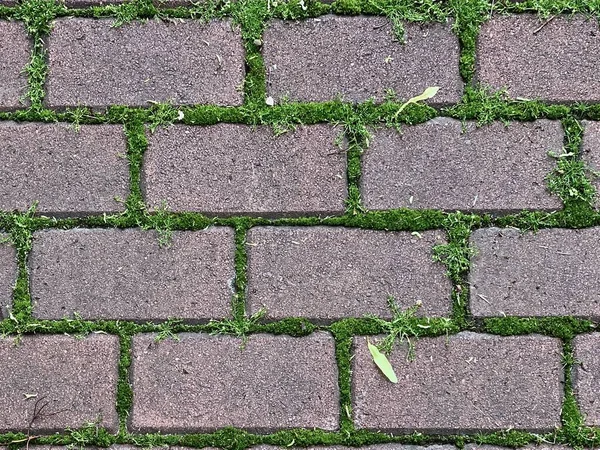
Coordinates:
[15,51]
[75,378]
[531,57]
[586,373]
[328,273]
[467,383]
[94,64]
[202,383]
[68,172]
[554,272]
[8,271]
[439,165]
[591,152]
[125,275]
[359,58]
[229,169]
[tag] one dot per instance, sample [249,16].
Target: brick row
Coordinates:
[586,373]
[8,271]
[591,152]
[15,51]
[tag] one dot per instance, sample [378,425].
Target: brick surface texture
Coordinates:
[554,272]
[8,271]
[591,151]
[76,378]
[439,165]
[359,58]
[465,382]
[327,273]
[586,373]
[203,382]
[14,56]
[136,280]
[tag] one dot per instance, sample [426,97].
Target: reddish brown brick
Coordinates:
[230,169]
[591,152]
[553,272]
[76,378]
[466,383]
[15,51]
[68,172]
[202,382]
[125,275]
[8,271]
[328,273]
[534,58]
[440,166]
[359,58]
[95,64]
[586,373]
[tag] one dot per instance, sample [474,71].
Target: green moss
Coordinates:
[561,327]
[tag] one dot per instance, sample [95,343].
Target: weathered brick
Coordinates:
[591,152]
[359,58]
[586,373]
[94,64]
[328,273]
[553,60]
[554,272]
[8,271]
[235,169]
[14,56]
[76,378]
[68,172]
[204,382]
[125,275]
[438,165]
[466,383]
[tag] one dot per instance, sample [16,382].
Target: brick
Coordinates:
[591,152]
[94,64]
[77,378]
[235,169]
[329,273]
[8,271]
[125,275]
[15,51]
[202,383]
[554,272]
[466,383]
[586,373]
[359,58]
[68,172]
[438,165]
[556,63]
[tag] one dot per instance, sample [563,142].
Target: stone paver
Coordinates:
[203,382]
[14,56]
[591,152]
[67,172]
[8,271]
[359,58]
[528,447]
[77,378]
[586,376]
[440,166]
[465,383]
[231,169]
[125,275]
[94,64]
[327,273]
[557,62]
[554,272]
[365,447]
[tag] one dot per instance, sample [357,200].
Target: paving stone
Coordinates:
[557,62]
[230,169]
[329,273]
[365,447]
[554,272]
[15,51]
[437,165]
[68,172]
[359,58]
[94,64]
[8,272]
[466,383]
[591,152]
[586,375]
[528,447]
[76,378]
[203,383]
[126,275]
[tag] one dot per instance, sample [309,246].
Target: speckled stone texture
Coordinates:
[464,383]
[586,376]
[229,169]
[94,64]
[554,272]
[76,377]
[14,56]
[591,152]
[359,58]
[202,383]
[8,272]
[68,172]
[437,165]
[126,275]
[329,273]
[557,62]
